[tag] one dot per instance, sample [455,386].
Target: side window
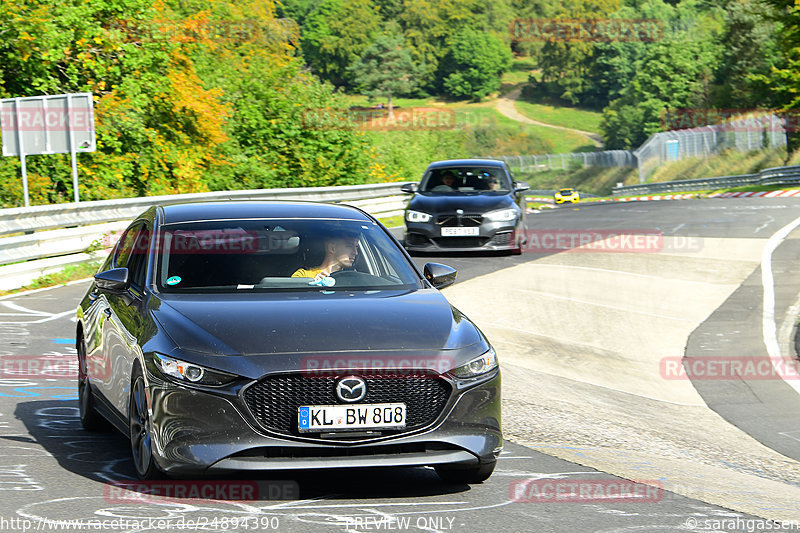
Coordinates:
[131,252]
[138,260]
[122,252]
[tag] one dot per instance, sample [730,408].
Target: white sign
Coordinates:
[48,124]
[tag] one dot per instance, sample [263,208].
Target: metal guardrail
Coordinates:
[26,219]
[771,176]
[51,237]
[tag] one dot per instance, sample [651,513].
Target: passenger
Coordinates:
[340,252]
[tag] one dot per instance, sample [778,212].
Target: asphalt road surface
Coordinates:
[52,472]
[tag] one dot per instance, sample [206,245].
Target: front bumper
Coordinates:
[492,236]
[564,200]
[197,431]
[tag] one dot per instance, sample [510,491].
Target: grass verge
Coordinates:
[69,273]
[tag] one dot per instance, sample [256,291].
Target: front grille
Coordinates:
[274,400]
[462,242]
[465,220]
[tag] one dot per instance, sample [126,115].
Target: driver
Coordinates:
[448,182]
[340,252]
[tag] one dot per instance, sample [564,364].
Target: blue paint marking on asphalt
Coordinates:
[64,341]
[29,392]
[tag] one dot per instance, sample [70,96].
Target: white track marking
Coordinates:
[768,327]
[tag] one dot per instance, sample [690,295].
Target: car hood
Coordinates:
[470,203]
[317,323]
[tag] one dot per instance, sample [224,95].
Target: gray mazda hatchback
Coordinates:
[242,336]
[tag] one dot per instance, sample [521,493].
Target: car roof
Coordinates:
[232,210]
[467,162]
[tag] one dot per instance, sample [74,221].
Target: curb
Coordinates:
[782,193]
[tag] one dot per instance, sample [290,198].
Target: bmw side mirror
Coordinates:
[520,186]
[409,188]
[440,276]
[115,279]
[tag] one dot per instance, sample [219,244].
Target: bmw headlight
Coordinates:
[417,216]
[183,371]
[480,365]
[502,215]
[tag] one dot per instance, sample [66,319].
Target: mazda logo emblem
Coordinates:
[351,389]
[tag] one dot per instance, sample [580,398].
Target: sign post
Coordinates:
[48,124]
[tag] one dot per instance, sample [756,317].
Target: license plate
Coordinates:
[460,232]
[360,416]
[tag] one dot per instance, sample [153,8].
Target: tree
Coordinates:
[335,35]
[385,69]
[783,80]
[672,74]
[474,64]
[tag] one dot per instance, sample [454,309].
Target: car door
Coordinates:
[122,319]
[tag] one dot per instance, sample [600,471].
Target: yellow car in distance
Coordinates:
[567,195]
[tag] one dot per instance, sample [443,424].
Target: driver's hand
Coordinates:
[320,276]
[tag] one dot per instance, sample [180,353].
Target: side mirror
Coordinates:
[409,188]
[520,186]
[439,275]
[115,279]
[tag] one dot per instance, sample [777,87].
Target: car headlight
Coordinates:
[417,216]
[183,371]
[503,215]
[476,367]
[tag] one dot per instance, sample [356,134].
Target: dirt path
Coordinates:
[505,105]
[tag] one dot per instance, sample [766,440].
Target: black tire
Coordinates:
[465,475]
[139,426]
[91,420]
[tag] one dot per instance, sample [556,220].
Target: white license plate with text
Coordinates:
[356,416]
[461,232]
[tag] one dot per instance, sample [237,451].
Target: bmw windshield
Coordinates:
[471,180]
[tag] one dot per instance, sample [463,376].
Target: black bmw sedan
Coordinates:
[234,336]
[465,204]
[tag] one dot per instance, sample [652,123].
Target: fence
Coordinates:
[539,163]
[43,239]
[753,133]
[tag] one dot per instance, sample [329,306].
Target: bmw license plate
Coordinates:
[461,232]
[360,416]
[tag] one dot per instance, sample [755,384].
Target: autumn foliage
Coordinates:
[190,96]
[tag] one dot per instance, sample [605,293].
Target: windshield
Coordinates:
[270,254]
[566,191]
[466,180]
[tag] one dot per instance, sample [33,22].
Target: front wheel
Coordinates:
[139,424]
[465,475]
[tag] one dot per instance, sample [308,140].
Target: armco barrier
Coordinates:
[771,176]
[47,238]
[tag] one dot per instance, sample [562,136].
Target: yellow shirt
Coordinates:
[306,273]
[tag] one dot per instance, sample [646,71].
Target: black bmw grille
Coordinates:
[274,400]
[464,220]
